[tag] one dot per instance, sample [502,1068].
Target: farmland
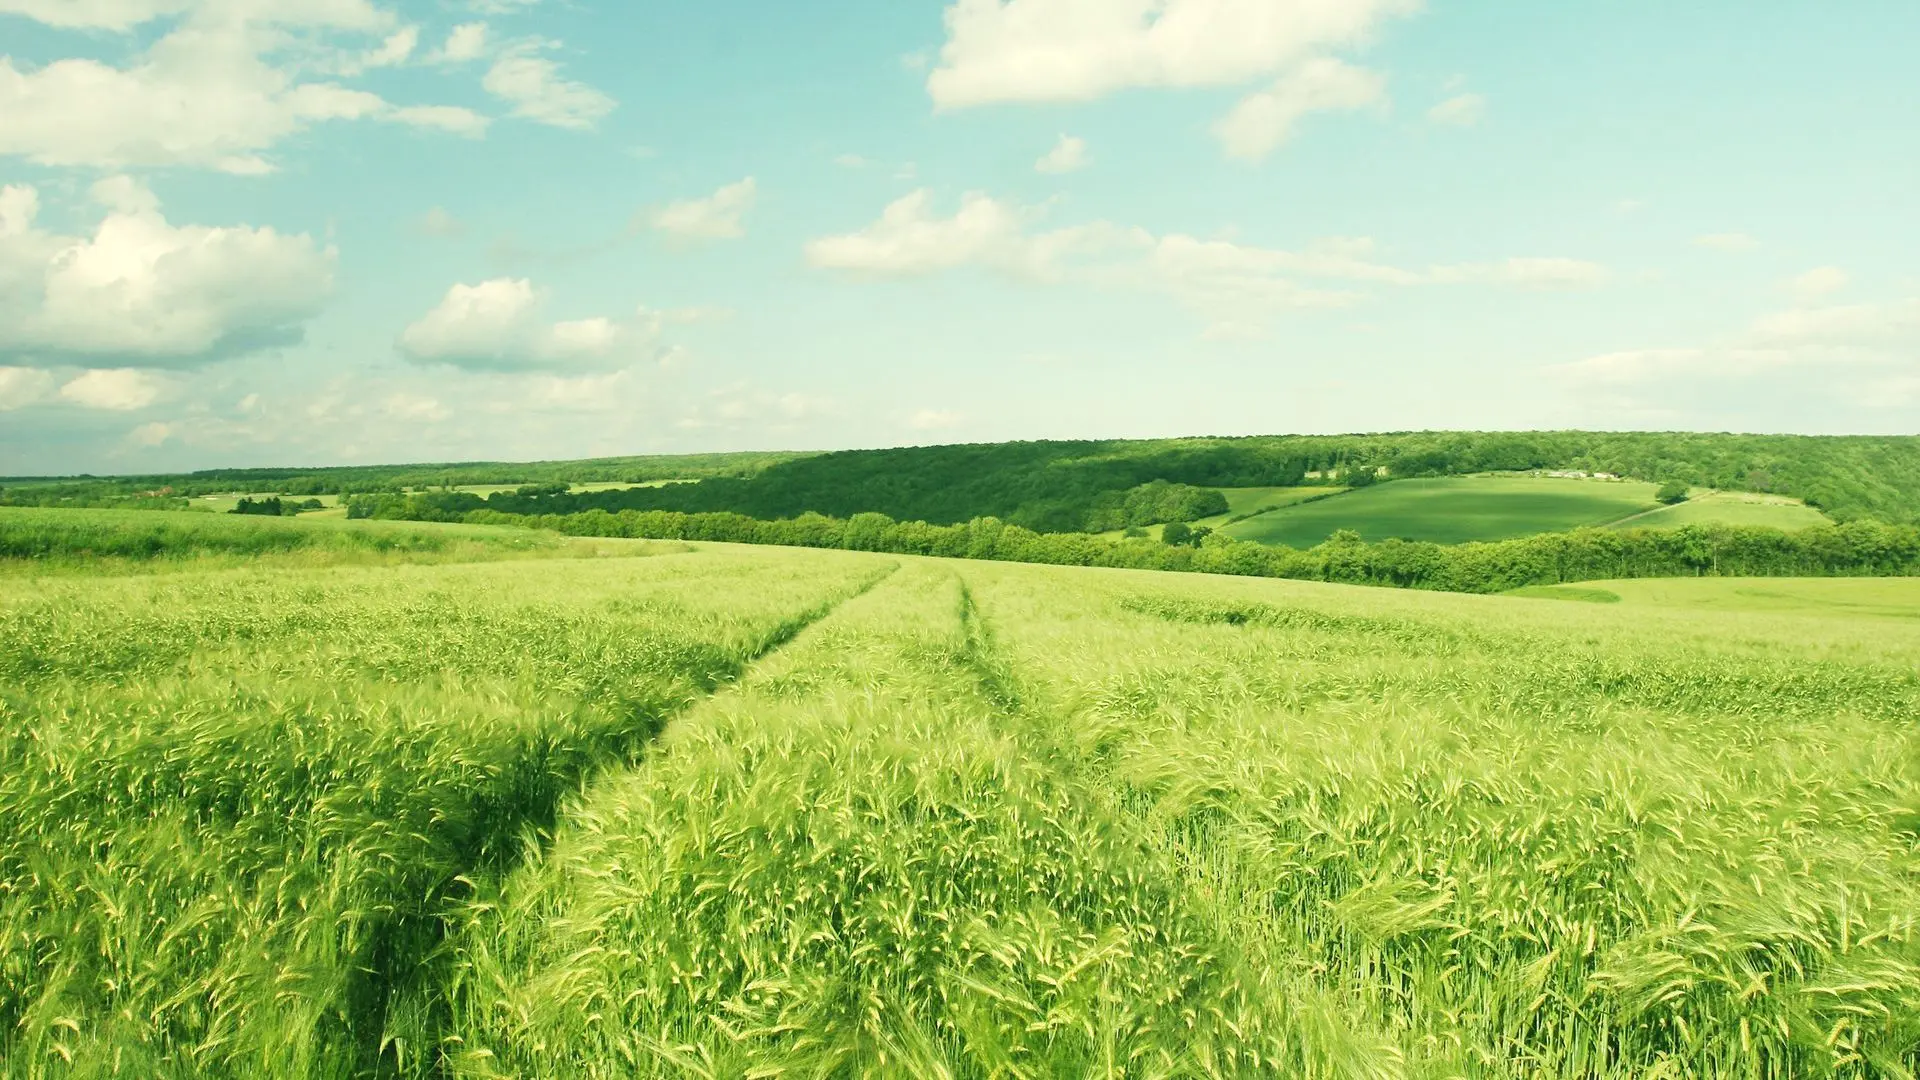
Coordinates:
[730,811]
[1729,508]
[1455,510]
[1452,510]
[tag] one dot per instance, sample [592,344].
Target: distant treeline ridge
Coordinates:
[1856,549]
[1085,485]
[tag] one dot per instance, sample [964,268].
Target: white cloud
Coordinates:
[468,41]
[152,435]
[1460,110]
[397,49]
[1819,282]
[1262,121]
[116,389]
[1068,155]
[1235,286]
[141,292]
[497,326]
[23,386]
[1078,50]
[1855,325]
[217,91]
[715,217]
[1867,353]
[909,240]
[449,118]
[1731,242]
[532,84]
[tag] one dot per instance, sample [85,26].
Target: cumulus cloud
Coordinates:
[1460,110]
[141,292]
[218,90]
[151,435]
[1867,353]
[497,325]
[1234,285]
[715,217]
[1820,282]
[1068,155]
[533,85]
[911,239]
[468,41]
[116,389]
[1078,50]
[23,386]
[1261,122]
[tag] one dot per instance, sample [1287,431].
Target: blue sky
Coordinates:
[239,232]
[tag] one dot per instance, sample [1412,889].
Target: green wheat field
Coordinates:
[345,799]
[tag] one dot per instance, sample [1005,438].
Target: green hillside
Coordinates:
[1076,486]
[1451,510]
[1729,508]
[771,812]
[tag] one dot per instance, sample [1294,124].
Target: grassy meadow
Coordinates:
[1730,508]
[1453,510]
[774,812]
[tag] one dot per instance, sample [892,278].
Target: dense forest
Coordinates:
[1067,486]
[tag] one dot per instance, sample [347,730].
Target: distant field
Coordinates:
[483,490]
[1891,598]
[1730,508]
[1452,510]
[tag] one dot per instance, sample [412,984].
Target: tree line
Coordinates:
[1075,486]
[1060,486]
[1851,549]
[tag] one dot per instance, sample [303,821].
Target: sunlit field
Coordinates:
[1452,510]
[705,810]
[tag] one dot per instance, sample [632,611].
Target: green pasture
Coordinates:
[771,812]
[1730,508]
[1452,510]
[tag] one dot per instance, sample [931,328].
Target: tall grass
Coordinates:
[237,806]
[981,820]
[86,538]
[1518,843]
[850,867]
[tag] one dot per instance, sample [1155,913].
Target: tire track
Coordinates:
[414,979]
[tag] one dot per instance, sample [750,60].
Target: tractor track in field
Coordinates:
[413,972]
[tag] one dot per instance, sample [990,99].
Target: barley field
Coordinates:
[717,811]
